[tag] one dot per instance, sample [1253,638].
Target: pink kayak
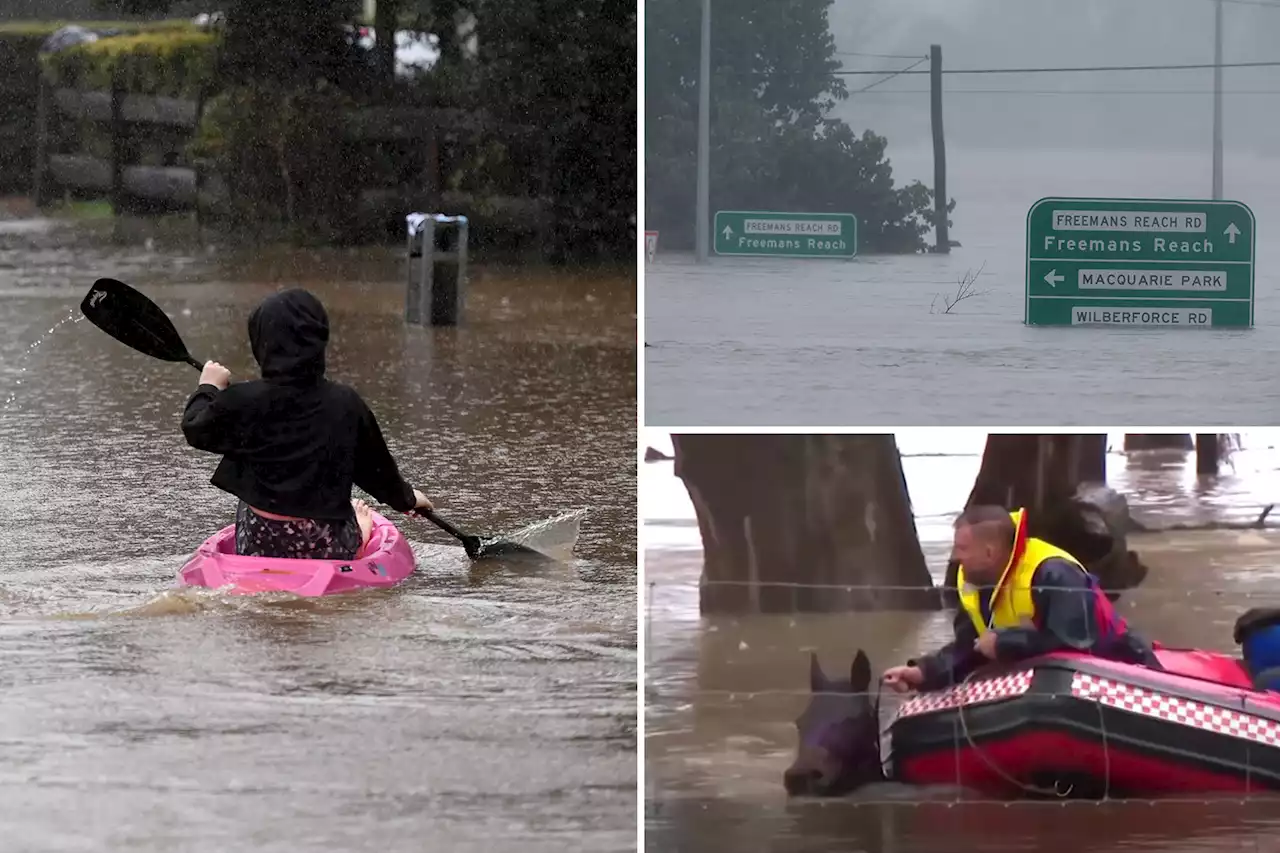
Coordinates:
[215,564]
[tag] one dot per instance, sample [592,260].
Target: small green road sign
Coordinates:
[1139,262]
[786,235]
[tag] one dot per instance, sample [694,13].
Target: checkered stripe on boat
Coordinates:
[1160,706]
[969,693]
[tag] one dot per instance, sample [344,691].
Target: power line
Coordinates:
[1066,69]
[891,76]
[879,55]
[1078,92]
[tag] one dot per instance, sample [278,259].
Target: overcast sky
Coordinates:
[1003,33]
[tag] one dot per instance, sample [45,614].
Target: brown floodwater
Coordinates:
[722,692]
[472,708]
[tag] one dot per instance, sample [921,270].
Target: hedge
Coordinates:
[177,63]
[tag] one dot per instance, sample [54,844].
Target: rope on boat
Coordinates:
[1055,791]
[1106,749]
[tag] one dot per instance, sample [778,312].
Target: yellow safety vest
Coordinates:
[1011,602]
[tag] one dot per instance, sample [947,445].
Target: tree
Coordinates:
[284,43]
[280,42]
[773,141]
[569,69]
[1061,481]
[803,523]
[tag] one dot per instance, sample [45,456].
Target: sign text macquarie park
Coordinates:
[786,235]
[1139,262]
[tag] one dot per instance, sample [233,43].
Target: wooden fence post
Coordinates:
[198,164]
[117,144]
[39,181]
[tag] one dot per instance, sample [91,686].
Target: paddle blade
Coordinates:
[504,548]
[134,320]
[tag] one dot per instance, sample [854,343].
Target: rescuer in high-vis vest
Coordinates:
[1019,597]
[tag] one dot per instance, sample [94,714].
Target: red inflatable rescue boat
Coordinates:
[1076,725]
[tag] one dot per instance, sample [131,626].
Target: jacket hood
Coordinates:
[288,332]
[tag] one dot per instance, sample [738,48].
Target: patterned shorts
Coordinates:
[308,539]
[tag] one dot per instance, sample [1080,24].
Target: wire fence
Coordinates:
[1249,593]
[1101,704]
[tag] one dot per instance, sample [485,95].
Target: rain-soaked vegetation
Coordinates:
[525,122]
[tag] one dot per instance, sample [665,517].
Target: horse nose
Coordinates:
[799,780]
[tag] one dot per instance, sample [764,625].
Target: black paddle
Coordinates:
[474,545]
[137,322]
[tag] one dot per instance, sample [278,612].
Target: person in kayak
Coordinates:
[293,442]
[1044,601]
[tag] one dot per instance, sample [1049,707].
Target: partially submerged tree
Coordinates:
[803,523]
[1061,481]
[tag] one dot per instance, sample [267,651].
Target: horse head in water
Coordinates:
[839,747]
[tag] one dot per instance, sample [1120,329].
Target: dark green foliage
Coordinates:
[569,68]
[135,7]
[283,158]
[552,93]
[773,146]
[283,43]
[172,63]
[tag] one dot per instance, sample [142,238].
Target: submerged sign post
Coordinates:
[1139,262]
[786,235]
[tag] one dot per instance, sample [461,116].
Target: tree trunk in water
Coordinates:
[1060,481]
[1208,453]
[1164,441]
[1091,458]
[803,523]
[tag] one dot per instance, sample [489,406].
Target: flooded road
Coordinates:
[757,341]
[721,693]
[473,708]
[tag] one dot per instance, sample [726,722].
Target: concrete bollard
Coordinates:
[435,293]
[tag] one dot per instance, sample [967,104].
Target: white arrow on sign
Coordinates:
[728,233]
[1053,278]
[1232,233]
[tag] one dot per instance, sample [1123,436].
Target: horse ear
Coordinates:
[817,679]
[860,672]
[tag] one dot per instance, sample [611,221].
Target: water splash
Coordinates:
[553,536]
[73,316]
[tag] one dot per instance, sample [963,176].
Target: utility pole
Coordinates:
[1217,99]
[703,213]
[943,239]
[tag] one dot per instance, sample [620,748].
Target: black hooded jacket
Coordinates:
[293,443]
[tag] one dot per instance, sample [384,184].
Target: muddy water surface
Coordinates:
[476,707]
[721,693]
[773,341]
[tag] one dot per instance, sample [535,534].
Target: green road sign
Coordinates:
[786,235]
[1139,262]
